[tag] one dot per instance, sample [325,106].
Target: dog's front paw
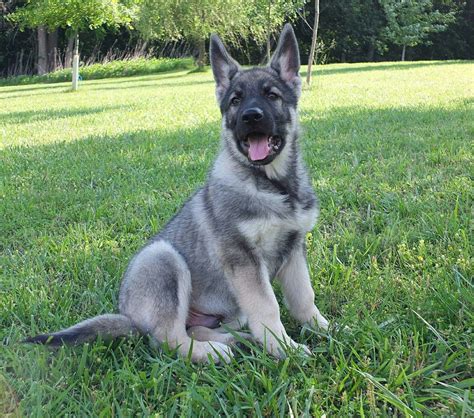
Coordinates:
[317,321]
[300,347]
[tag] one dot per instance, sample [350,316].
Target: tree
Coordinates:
[312,53]
[349,30]
[42,61]
[409,22]
[195,20]
[73,15]
[266,17]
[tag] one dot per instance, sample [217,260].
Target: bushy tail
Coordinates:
[108,326]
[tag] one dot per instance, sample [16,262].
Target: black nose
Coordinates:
[253,114]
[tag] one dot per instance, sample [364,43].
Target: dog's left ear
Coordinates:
[224,67]
[286,59]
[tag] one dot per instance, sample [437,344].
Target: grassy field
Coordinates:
[87,177]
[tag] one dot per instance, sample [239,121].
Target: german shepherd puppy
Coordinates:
[210,269]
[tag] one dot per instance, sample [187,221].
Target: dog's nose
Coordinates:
[253,114]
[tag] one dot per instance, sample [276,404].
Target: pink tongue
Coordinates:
[259,148]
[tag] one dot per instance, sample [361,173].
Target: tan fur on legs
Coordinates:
[258,303]
[299,295]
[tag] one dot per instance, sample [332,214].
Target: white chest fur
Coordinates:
[266,234]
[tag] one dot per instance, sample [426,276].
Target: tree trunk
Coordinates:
[42,63]
[75,65]
[20,68]
[69,51]
[52,50]
[312,52]
[201,58]
[269,32]
[403,52]
[143,48]
[371,51]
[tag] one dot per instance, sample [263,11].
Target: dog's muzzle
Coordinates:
[256,139]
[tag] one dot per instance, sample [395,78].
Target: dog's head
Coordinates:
[258,105]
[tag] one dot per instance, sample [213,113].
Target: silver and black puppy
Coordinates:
[210,269]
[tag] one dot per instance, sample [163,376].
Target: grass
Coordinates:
[87,177]
[112,69]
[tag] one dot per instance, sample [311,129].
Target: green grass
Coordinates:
[112,69]
[87,177]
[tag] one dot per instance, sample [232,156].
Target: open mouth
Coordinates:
[259,146]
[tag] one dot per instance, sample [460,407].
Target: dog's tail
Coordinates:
[107,326]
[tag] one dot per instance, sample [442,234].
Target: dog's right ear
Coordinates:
[224,67]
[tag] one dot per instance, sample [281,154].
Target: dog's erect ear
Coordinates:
[286,59]
[224,67]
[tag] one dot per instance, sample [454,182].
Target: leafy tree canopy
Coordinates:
[409,22]
[195,20]
[76,15]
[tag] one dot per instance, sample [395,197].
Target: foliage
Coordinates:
[350,31]
[195,20]
[88,177]
[78,15]
[351,27]
[355,30]
[409,22]
[270,15]
[113,69]
[457,40]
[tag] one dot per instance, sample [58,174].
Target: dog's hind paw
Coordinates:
[211,351]
[221,352]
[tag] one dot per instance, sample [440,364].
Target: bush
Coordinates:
[120,68]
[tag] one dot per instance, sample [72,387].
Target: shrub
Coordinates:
[119,68]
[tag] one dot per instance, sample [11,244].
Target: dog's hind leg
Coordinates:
[155,296]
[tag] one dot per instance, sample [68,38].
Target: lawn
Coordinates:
[87,177]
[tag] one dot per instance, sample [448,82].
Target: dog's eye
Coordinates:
[235,101]
[272,96]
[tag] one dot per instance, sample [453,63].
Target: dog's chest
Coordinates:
[273,234]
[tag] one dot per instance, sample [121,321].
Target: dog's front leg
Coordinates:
[258,303]
[298,292]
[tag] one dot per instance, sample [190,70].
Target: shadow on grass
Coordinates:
[149,80]
[156,84]
[29,116]
[155,79]
[345,149]
[146,77]
[56,184]
[35,87]
[357,68]
[26,96]
[133,78]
